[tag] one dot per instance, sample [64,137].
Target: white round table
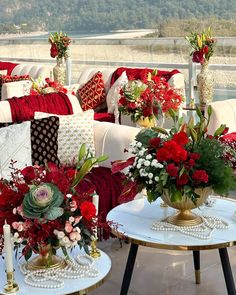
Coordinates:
[72,286]
[135,219]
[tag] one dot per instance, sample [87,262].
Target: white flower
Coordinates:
[140,161]
[60,234]
[159,165]
[71,219]
[141,153]
[150,181]
[147,163]
[150,175]
[139,166]
[139,144]
[69,196]
[16,235]
[148,157]
[154,162]
[156,178]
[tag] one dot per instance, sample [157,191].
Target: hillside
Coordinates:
[106,15]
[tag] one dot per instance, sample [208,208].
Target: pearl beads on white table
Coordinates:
[201,231]
[82,267]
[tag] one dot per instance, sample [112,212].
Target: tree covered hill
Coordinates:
[106,15]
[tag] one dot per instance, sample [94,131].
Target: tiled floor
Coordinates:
[164,272]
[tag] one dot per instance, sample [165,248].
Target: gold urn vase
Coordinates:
[146,122]
[184,216]
[46,260]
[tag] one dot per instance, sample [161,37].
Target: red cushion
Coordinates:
[92,93]
[9,66]
[140,74]
[104,117]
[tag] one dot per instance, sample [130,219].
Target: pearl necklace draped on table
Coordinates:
[82,267]
[201,231]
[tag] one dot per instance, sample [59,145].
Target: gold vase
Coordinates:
[59,71]
[46,260]
[145,122]
[205,85]
[184,216]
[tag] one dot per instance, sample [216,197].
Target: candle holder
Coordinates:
[95,253]
[11,286]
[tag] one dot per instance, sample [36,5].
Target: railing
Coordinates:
[151,47]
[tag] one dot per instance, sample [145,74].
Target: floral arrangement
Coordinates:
[203,45]
[149,98]
[40,87]
[46,206]
[179,161]
[59,45]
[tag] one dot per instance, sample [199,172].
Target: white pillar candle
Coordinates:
[96,202]
[8,247]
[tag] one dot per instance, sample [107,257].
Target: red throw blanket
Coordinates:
[9,66]
[23,108]
[140,74]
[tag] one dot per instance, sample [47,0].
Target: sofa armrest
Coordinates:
[112,139]
[18,89]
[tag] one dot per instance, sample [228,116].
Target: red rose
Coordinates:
[198,57]
[172,170]
[225,131]
[181,138]
[182,180]
[122,101]
[200,176]
[88,210]
[132,106]
[155,142]
[70,173]
[53,50]
[28,173]
[147,112]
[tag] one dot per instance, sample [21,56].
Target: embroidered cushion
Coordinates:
[113,94]
[74,130]
[14,145]
[92,93]
[44,137]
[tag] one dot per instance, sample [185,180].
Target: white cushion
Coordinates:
[113,94]
[74,130]
[17,88]
[34,71]
[223,112]
[5,112]
[15,145]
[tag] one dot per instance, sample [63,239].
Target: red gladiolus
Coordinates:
[53,50]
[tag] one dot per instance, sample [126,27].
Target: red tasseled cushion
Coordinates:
[104,117]
[92,94]
[9,66]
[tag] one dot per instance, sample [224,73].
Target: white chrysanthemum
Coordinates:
[139,166]
[156,178]
[139,144]
[159,165]
[154,162]
[150,181]
[147,163]
[150,175]
[141,153]
[148,157]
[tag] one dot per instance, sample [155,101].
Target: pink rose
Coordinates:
[68,227]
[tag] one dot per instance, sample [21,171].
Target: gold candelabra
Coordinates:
[95,253]
[11,286]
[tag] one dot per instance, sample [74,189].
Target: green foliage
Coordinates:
[106,15]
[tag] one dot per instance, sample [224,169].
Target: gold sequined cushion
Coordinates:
[44,143]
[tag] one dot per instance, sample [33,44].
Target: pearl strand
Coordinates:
[82,267]
[202,231]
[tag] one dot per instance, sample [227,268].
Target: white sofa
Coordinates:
[21,88]
[176,81]
[223,112]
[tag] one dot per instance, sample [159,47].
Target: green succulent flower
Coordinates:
[43,201]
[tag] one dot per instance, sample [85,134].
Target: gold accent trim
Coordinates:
[39,262]
[11,286]
[95,253]
[197,276]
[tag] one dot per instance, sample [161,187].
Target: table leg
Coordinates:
[129,269]
[229,280]
[196,260]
